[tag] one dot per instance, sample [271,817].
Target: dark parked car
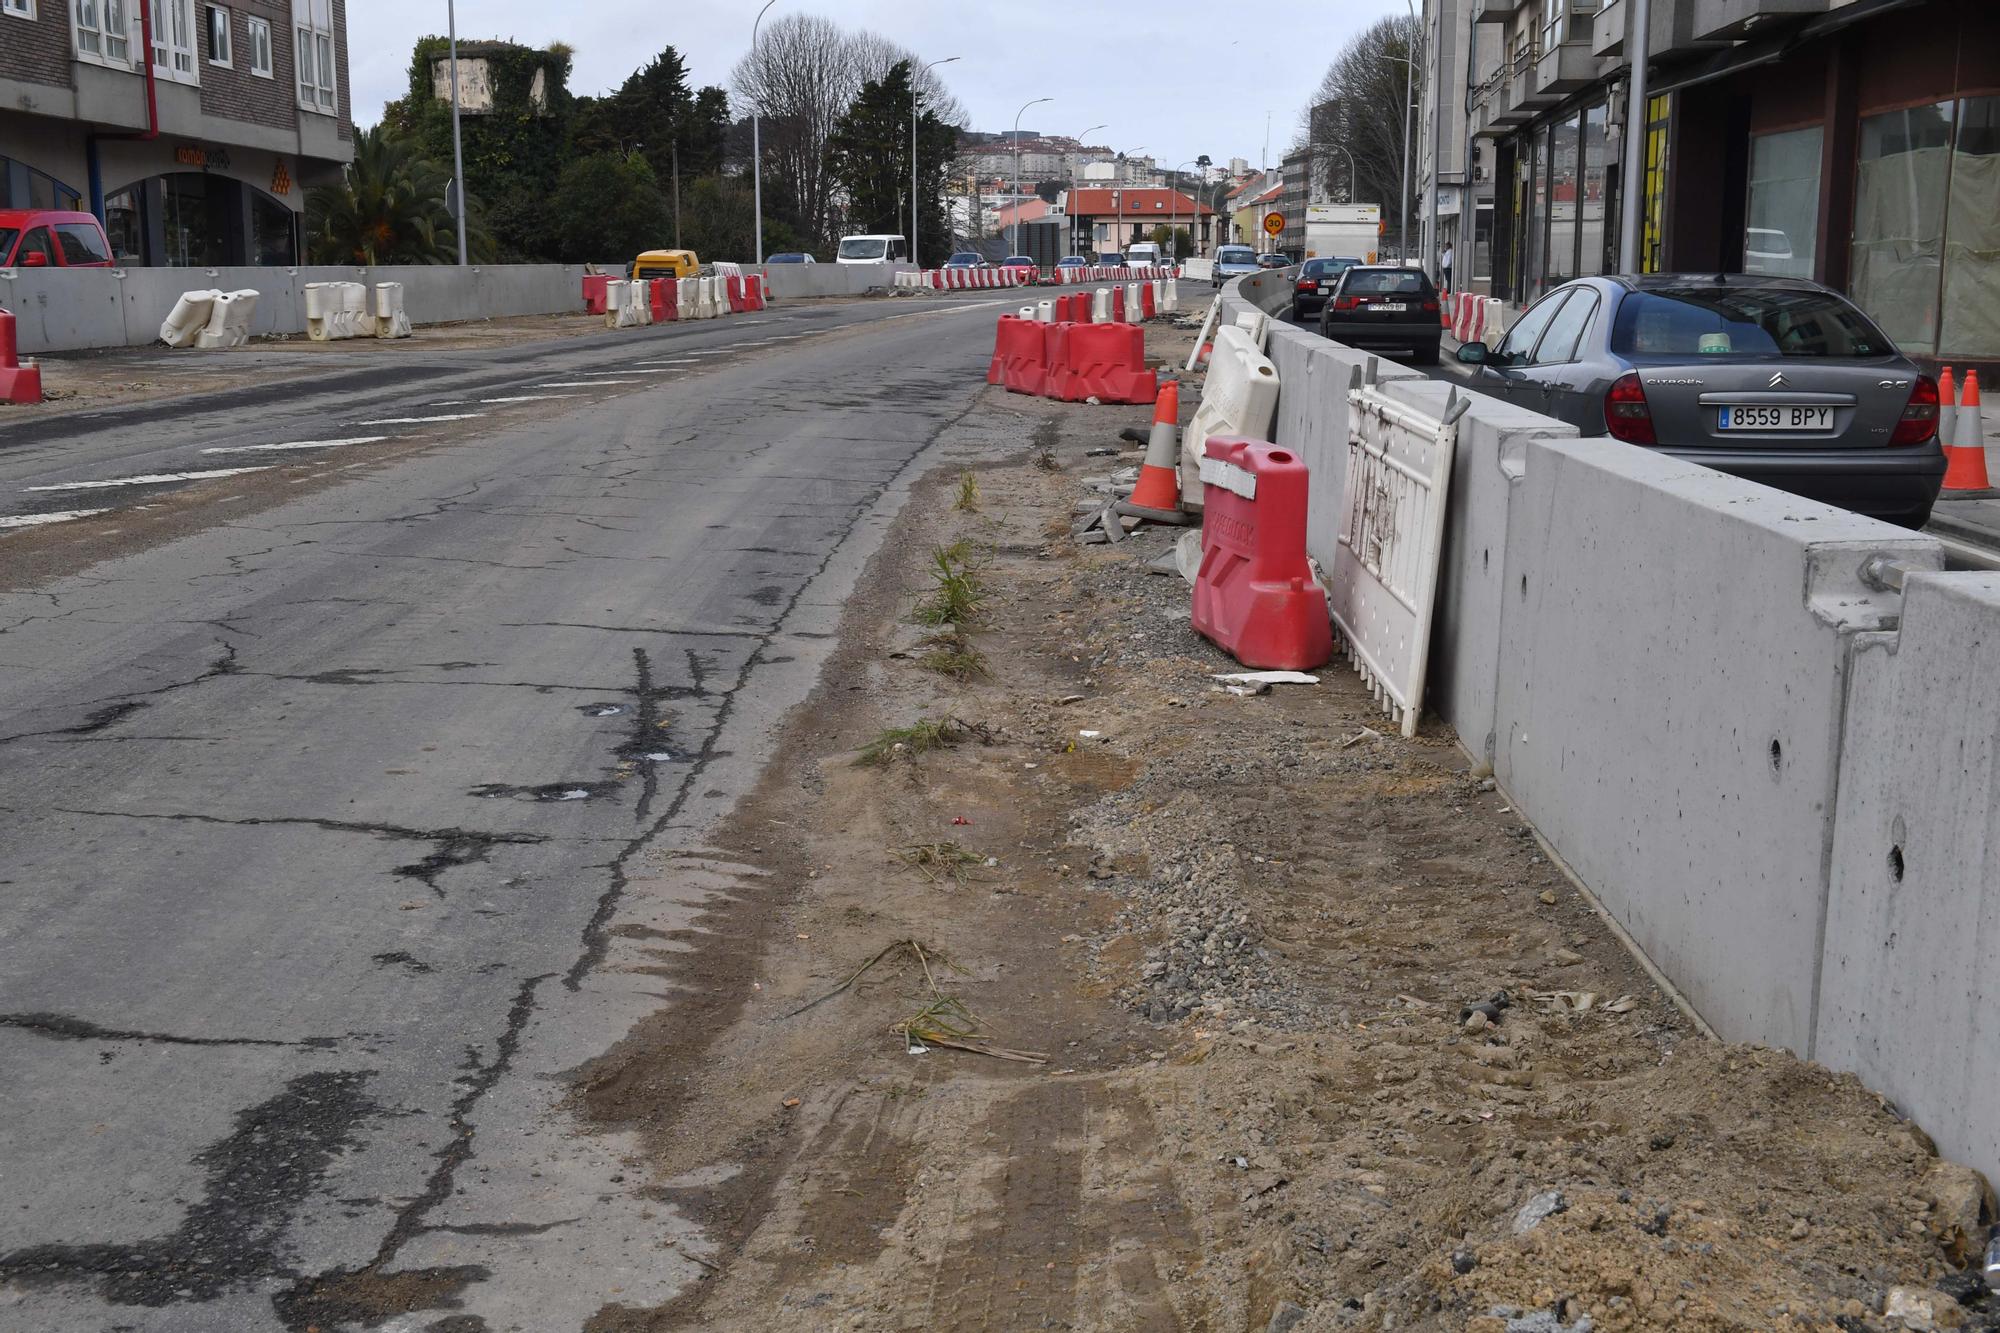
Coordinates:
[1777,380]
[1110,259]
[1233,261]
[1316,281]
[790,257]
[966,259]
[1375,306]
[1072,261]
[1274,261]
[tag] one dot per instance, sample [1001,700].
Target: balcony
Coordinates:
[1607,30]
[1495,11]
[1734,20]
[1673,32]
[1565,68]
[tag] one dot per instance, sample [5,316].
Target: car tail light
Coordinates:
[1920,417]
[1626,413]
[1345,302]
[1307,284]
[1430,307]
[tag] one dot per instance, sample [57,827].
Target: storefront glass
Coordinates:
[1972,235]
[1564,150]
[1781,235]
[1900,190]
[1652,241]
[1592,205]
[1538,213]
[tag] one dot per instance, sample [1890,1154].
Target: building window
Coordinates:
[18,8]
[1781,231]
[220,48]
[312,24]
[173,40]
[1653,207]
[102,31]
[22,186]
[259,34]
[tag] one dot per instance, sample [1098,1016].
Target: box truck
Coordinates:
[1349,231]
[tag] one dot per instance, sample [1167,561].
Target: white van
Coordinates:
[873,249]
[1143,254]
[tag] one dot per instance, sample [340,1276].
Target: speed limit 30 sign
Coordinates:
[1274,223]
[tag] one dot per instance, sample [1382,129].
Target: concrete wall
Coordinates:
[1784,785]
[80,309]
[795,282]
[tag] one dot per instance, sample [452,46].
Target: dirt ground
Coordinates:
[1244,932]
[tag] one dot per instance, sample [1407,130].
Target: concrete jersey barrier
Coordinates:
[1792,813]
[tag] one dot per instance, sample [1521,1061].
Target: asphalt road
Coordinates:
[326,791]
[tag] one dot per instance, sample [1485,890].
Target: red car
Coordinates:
[45,238]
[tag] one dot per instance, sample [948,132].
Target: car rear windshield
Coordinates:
[1317,267]
[1387,281]
[1743,321]
[1235,254]
[1017,261]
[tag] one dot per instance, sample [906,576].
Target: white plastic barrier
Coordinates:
[1385,570]
[1493,325]
[714,298]
[391,320]
[1135,309]
[1258,325]
[1100,305]
[618,304]
[228,320]
[1239,396]
[188,318]
[640,294]
[357,320]
[1172,287]
[1045,311]
[322,302]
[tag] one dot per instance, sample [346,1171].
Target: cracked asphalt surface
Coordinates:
[323,788]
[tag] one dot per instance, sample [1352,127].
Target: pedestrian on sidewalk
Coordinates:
[1444,265]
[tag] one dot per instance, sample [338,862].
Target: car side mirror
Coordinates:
[1474,354]
[35,259]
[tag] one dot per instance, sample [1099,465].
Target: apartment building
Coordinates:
[1453,174]
[1855,142]
[192,129]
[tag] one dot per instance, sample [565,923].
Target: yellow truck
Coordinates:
[665,264]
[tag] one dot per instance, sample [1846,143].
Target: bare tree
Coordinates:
[800,78]
[1358,109]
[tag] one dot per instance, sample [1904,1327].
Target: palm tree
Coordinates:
[389,208]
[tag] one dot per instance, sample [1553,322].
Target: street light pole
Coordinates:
[1016,242]
[1075,168]
[457,147]
[1173,212]
[757,147]
[913,157]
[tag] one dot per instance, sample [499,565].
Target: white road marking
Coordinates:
[36,520]
[529,398]
[293,444]
[583,384]
[415,421]
[634,371]
[150,479]
[677,361]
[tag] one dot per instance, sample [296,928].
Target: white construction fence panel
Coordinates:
[1385,569]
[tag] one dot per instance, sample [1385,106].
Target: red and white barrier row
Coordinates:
[1475,318]
[972,279]
[625,304]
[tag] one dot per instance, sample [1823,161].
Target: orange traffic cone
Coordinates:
[1158,494]
[1965,453]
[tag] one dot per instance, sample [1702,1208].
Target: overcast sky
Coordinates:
[1148,72]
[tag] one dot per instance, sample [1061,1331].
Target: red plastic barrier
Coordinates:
[1107,362]
[1019,344]
[593,292]
[1255,594]
[734,287]
[753,291]
[1146,310]
[1057,358]
[18,383]
[666,300]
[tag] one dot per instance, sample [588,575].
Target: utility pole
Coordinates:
[1409,92]
[677,191]
[1016,242]
[457,146]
